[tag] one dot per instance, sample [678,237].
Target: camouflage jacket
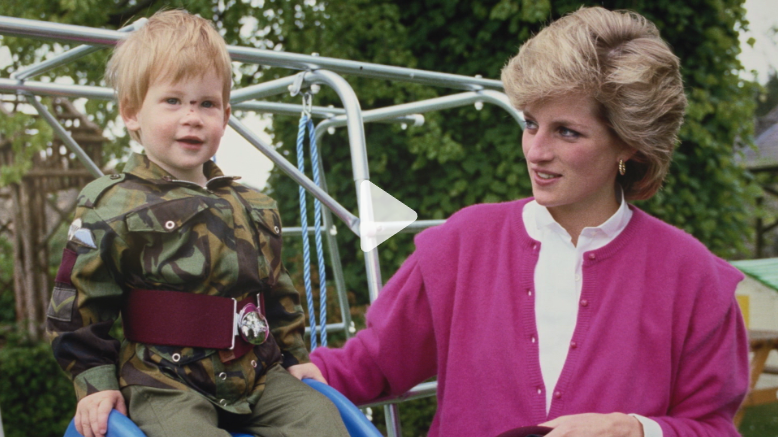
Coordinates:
[142,229]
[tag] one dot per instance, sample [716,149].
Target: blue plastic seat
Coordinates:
[356,422]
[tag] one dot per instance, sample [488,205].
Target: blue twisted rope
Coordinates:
[317,228]
[304,225]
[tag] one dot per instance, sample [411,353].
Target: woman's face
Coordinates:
[572,157]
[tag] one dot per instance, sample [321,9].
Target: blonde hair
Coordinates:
[619,59]
[173,45]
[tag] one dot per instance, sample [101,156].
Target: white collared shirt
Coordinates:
[558,281]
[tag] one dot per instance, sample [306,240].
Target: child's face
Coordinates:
[181,124]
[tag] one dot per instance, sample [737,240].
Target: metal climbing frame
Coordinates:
[314,70]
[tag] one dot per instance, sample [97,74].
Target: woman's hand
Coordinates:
[307,370]
[92,412]
[593,424]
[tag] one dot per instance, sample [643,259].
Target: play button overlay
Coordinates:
[382,216]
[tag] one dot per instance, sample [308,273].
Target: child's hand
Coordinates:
[93,410]
[307,370]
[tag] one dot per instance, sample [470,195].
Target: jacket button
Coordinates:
[223,376]
[176,357]
[573,345]
[275,228]
[533,339]
[557,394]
[592,256]
[115,176]
[584,303]
[540,391]
[529,292]
[223,401]
[170,224]
[254,363]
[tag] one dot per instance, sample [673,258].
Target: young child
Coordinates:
[190,258]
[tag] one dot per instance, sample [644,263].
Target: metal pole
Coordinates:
[434,104]
[332,246]
[65,137]
[356,134]
[56,89]
[351,221]
[68,56]
[85,35]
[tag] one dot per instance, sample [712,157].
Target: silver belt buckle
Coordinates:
[252,325]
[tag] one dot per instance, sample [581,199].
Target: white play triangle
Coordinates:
[381,215]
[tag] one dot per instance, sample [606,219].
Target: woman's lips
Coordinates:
[544,177]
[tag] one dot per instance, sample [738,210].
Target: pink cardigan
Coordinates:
[659,332]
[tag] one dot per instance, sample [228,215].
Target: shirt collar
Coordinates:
[611,227]
[141,166]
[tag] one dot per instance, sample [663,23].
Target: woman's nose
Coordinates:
[537,147]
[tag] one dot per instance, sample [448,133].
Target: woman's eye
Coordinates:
[529,124]
[568,133]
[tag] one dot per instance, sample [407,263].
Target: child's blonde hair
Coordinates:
[619,59]
[172,45]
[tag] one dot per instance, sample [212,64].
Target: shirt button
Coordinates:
[170,224]
[592,256]
[573,345]
[557,394]
[223,376]
[254,363]
[584,303]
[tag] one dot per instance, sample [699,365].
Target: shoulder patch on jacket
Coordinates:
[93,190]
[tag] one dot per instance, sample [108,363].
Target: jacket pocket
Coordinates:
[168,243]
[268,228]
[165,217]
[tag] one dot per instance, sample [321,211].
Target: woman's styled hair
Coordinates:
[172,45]
[619,59]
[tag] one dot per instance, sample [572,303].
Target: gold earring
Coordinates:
[622,167]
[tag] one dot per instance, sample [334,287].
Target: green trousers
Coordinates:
[288,408]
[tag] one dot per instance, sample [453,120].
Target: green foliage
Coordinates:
[767,99]
[36,399]
[7,306]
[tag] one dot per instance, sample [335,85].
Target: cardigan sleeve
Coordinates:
[395,351]
[712,375]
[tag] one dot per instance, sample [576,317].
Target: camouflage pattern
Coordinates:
[142,229]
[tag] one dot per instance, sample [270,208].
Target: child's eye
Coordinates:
[171,101]
[208,104]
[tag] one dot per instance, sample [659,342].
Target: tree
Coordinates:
[767,100]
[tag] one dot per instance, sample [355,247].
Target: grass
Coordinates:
[760,421]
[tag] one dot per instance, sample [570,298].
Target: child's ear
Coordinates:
[130,118]
[227,112]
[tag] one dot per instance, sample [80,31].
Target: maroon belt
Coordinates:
[174,318]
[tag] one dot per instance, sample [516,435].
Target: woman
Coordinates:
[572,310]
